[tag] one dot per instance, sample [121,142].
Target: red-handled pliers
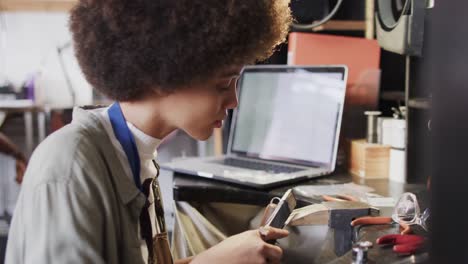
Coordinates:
[403,244]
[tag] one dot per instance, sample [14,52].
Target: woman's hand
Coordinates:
[20,169]
[247,248]
[9,148]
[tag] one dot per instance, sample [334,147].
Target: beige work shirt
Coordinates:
[76,203]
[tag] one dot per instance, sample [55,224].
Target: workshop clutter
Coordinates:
[348,214]
[382,154]
[414,226]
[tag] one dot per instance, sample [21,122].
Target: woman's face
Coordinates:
[199,108]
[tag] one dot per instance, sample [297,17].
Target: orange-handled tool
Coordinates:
[379,220]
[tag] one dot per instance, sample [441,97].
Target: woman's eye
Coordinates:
[223,88]
[226,86]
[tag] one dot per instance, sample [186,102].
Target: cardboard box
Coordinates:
[371,161]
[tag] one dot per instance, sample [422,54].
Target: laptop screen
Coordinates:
[290,113]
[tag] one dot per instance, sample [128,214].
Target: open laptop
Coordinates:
[285,129]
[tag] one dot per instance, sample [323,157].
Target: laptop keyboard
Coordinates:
[254,165]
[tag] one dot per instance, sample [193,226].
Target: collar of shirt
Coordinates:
[146,144]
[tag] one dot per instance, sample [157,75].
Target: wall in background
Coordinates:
[28,45]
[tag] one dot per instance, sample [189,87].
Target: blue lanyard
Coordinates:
[125,137]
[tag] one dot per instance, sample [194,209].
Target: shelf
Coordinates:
[393,96]
[420,103]
[37,5]
[342,25]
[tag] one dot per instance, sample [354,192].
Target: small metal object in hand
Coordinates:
[281,215]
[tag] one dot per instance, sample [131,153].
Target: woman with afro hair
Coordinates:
[88,194]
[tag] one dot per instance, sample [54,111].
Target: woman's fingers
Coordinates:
[20,169]
[272,253]
[271,233]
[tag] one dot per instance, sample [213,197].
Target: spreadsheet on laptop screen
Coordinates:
[289,115]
